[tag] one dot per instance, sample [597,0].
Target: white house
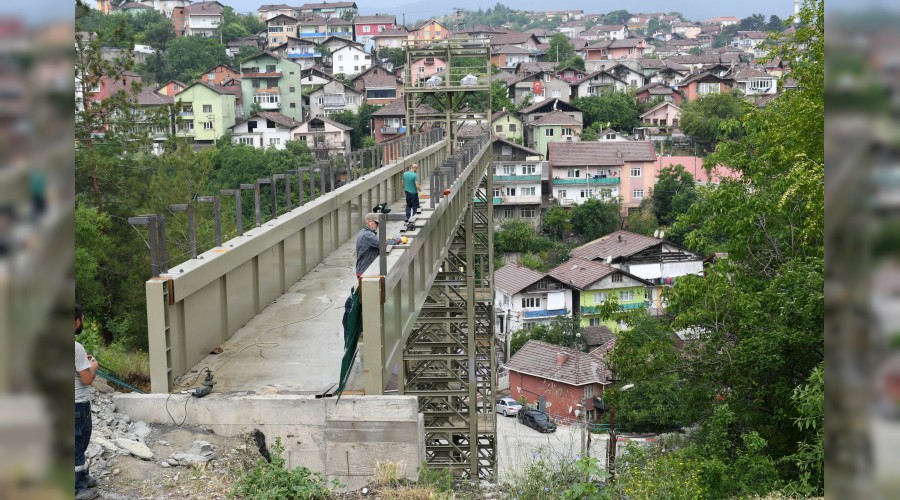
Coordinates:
[612,32]
[598,83]
[263,130]
[756,82]
[166,7]
[524,297]
[750,42]
[350,60]
[609,134]
[324,137]
[333,97]
[203,19]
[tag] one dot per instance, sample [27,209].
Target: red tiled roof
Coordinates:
[512,279]
[579,154]
[617,244]
[539,359]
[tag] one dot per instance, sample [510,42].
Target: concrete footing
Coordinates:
[344,441]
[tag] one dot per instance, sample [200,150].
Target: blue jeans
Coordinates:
[83,429]
[412,203]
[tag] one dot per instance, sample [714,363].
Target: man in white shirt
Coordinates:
[85,372]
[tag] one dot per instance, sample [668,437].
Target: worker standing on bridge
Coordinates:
[413,188]
[367,244]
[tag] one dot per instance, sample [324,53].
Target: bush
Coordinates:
[271,480]
[643,473]
[440,480]
[552,475]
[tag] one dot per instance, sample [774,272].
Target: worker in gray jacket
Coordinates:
[367,244]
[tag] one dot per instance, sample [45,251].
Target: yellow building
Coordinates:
[429,30]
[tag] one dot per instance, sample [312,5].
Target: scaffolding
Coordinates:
[449,361]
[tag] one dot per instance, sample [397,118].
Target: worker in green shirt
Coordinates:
[413,189]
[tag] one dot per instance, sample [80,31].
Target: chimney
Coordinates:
[561,358]
[620,238]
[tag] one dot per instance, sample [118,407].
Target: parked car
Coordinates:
[508,406]
[537,420]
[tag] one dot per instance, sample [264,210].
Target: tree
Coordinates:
[576,62]
[653,26]
[232,31]
[775,23]
[589,134]
[395,56]
[756,22]
[642,221]
[500,99]
[616,109]
[748,372]
[595,218]
[696,51]
[673,194]
[556,222]
[715,117]
[514,236]
[560,49]
[189,56]
[562,331]
[617,17]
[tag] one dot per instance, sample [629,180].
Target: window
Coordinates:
[509,169]
[616,278]
[207,108]
[506,150]
[366,29]
[188,125]
[626,295]
[567,131]
[509,213]
[528,191]
[554,93]
[531,302]
[635,171]
[341,57]
[512,127]
[594,322]
[542,285]
[496,192]
[529,169]
[292,89]
[211,76]
[708,88]
[760,84]
[637,194]
[546,77]
[498,128]
[587,193]
[588,391]
[274,141]
[356,57]
[207,125]
[574,173]
[599,297]
[549,132]
[528,213]
[561,194]
[270,124]
[510,191]
[247,141]
[293,105]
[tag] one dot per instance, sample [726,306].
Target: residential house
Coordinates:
[570,74]
[171,88]
[665,115]
[597,83]
[480,32]
[429,30]
[268,11]
[701,84]
[658,91]
[507,57]
[629,48]
[301,51]
[538,87]
[609,134]
[315,76]
[564,382]
[554,127]
[333,97]
[233,48]
[571,29]
[330,10]
[220,75]
[751,42]
[652,259]
[279,28]
[391,39]
[166,7]
[109,87]
[688,30]
[525,40]
[629,73]
[207,111]
[611,32]
[754,82]
[524,297]
[364,27]
[593,283]
[602,169]
[389,122]
[541,34]
[534,112]
[325,137]
[517,176]
[507,125]
[694,165]
[203,19]
[179,20]
[266,129]
[156,114]
[350,60]
[423,68]
[532,67]
[378,86]
[274,84]
[132,8]
[316,27]
[596,336]
[671,75]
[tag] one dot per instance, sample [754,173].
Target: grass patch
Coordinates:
[131,365]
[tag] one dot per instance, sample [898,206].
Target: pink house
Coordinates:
[694,165]
[110,86]
[365,27]
[423,68]
[664,115]
[629,48]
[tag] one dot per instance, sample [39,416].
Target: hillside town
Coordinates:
[605,133]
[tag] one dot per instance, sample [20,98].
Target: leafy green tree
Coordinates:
[556,222]
[595,218]
[715,117]
[561,49]
[755,22]
[514,236]
[576,62]
[395,56]
[500,99]
[159,34]
[232,31]
[775,23]
[696,51]
[562,331]
[673,194]
[616,109]
[189,56]
[617,17]
[590,134]
[642,221]
[653,26]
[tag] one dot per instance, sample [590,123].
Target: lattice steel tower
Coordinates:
[449,360]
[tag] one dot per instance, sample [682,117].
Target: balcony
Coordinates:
[267,90]
[393,130]
[622,307]
[270,105]
[334,101]
[186,112]
[303,55]
[517,178]
[543,313]
[579,181]
[260,73]
[497,200]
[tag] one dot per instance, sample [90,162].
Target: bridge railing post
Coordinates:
[192,230]
[217,215]
[239,214]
